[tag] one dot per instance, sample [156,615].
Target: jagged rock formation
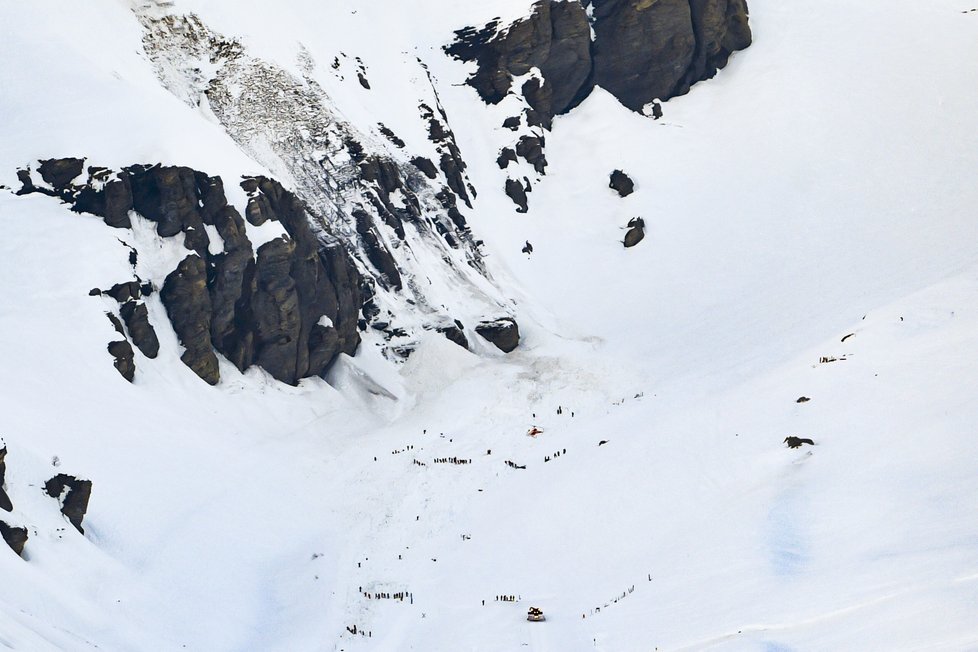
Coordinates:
[15,537]
[5,503]
[74,495]
[621,183]
[503,333]
[641,50]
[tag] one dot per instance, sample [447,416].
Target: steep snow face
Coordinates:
[783,201]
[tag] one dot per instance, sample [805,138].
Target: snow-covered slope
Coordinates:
[821,188]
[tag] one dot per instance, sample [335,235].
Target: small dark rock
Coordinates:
[26,183]
[621,183]
[516,192]
[803,399]
[634,235]
[16,537]
[504,333]
[506,156]
[74,503]
[123,354]
[512,123]
[390,135]
[123,292]
[531,149]
[656,110]
[5,503]
[116,324]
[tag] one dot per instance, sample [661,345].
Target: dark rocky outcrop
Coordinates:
[123,358]
[5,503]
[530,148]
[299,281]
[116,323]
[516,192]
[74,495]
[635,233]
[426,166]
[15,537]
[513,123]
[555,38]
[188,304]
[59,173]
[506,156]
[621,183]
[504,333]
[292,308]
[170,197]
[123,292]
[108,196]
[721,28]
[657,49]
[454,333]
[451,163]
[641,50]
[141,331]
[378,255]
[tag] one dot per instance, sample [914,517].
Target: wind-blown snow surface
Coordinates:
[828,173]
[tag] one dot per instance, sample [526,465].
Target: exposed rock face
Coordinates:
[267,309]
[16,537]
[504,333]
[555,38]
[453,332]
[123,358]
[110,197]
[188,303]
[74,503]
[530,148]
[378,255]
[59,173]
[621,183]
[642,50]
[140,330]
[721,28]
[648,49]
[169,196]
[5,503]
